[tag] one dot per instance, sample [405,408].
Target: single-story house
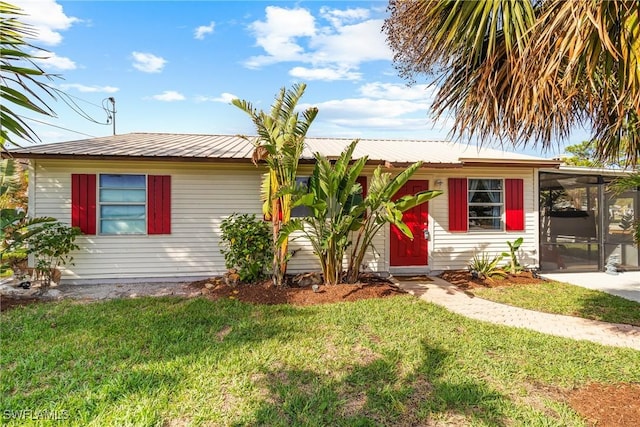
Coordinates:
[150,205]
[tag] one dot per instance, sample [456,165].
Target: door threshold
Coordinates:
[410,270]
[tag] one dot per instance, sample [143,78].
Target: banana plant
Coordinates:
[279,144]
[512,255]
[330,197]
[381,209]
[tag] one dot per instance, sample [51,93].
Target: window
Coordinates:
[485,204]
[301,211]
[122,204]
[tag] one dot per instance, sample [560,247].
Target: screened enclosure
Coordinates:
[583,225]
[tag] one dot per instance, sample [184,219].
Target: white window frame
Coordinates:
[106,203]
[500,204]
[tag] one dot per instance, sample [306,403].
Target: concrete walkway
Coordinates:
[444,293]
[625,284]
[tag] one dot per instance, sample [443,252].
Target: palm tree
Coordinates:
[279,144]
[20,78]
[527,71]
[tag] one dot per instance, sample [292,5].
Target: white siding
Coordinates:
[203,194]
[454,250]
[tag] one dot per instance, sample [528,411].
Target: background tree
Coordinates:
[585,154]
[525,71]
[21,80]
[627,183]
[13,185]
[279,144]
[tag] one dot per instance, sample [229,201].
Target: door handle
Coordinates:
[427,235]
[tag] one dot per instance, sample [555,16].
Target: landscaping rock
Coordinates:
[307,279]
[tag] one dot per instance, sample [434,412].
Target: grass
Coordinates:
[562,298]
[393,361]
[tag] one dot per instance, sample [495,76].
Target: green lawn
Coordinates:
[393,361]
[570,300]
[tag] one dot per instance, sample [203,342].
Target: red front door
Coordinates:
[405,251]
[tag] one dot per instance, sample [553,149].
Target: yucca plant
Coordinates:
[484,266]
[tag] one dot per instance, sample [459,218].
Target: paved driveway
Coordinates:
[626,285]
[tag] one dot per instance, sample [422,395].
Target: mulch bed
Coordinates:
[267,293]
[608,405]
[7,303]
[464,280]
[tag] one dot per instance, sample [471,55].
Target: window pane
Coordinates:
[485,224]
[122,181]
[302,183]
[108,226]
[486,184]
[485,211]
[485,204]
[485,197]
[123,204]
[122,212]
[117,195]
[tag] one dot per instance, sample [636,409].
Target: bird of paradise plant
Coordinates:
[279,144]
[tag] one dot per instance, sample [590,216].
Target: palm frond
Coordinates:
[527,73]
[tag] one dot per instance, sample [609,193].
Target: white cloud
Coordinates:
[169,96]
[89,89]
[224,97]
[419,92]
[352,44]
[52,60]
[385,107]
[278,33]
[203,30]
[333,52]
[365,107]
[339,17]
[48,18]
[388,123]
[327,74]
[148,62]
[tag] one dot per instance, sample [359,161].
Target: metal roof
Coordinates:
[166,146]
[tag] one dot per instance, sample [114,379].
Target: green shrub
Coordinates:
[51,247]
[486,267]
[247,246]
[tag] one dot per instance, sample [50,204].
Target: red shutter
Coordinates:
[458,211]
[362,180]
[159,204]
[83,202]
[514,204]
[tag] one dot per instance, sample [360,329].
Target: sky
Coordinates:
[175,66]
